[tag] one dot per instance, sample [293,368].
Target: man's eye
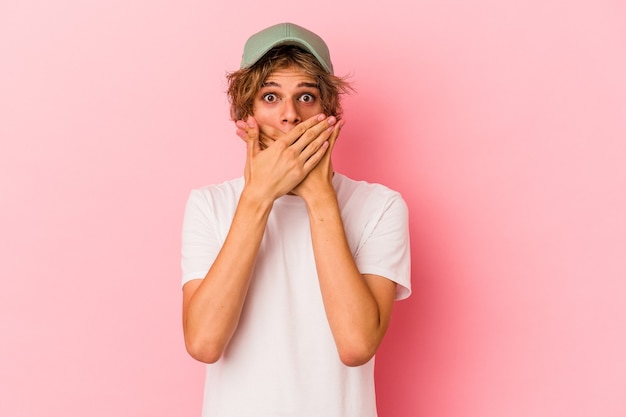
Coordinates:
[270,97]
[307,98]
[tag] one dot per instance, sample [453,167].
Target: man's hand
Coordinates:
[277,162]
[319,182]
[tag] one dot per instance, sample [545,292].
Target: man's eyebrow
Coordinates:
[303,84]
[310,85]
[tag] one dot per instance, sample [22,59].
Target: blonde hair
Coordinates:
[244,84]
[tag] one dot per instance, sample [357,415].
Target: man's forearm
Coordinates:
[351,307]
[212,309]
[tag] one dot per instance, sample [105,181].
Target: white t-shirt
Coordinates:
[282,359]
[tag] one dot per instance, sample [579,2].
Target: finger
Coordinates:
[310,152]
[271,133]
[300,129]
[312,148]
[251,136]
[311,141]
[248,127]
[242,133]
[314,136]
[265,141]
[335,133]
[316,157]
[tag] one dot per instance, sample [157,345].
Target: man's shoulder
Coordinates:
[222,197]
[351,188]
[227,188]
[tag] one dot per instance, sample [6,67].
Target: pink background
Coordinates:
[502,123]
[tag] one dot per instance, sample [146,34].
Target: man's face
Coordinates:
[287,97]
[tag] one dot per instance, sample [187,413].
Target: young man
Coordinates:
[290,272]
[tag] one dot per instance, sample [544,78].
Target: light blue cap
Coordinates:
[285,34]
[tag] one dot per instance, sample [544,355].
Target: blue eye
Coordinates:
[270,97]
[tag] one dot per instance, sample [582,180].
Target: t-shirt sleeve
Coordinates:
[385,250]
[200,242]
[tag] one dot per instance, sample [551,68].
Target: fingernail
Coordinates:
[321,117]
[240,124]
[332,120]
[251,122]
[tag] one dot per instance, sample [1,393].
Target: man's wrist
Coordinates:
[322,201]
[254,201]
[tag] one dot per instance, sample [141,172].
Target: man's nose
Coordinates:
[290,114]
